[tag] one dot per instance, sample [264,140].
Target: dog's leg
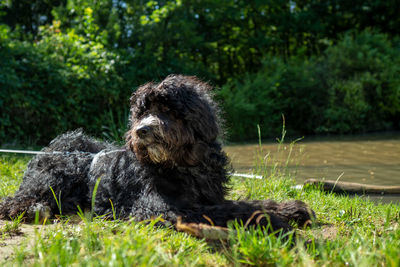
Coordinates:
[296,211]
[265,213]
[12,207]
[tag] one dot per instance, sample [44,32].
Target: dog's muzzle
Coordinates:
[149,139]
[147,128]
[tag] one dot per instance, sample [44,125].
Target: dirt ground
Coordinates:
[9,241]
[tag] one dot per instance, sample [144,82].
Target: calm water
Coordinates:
[361,161]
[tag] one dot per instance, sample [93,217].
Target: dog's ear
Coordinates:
[206,128]
[194,154]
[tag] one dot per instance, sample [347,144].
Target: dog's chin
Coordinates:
[151,153]
[157,153]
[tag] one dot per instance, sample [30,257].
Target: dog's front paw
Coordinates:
[38,210]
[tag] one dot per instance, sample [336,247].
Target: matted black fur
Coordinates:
[172,165]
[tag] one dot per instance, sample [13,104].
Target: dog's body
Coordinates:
[172,165]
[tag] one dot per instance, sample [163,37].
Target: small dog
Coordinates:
[171,166]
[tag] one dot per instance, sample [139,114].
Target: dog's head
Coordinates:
[174,122]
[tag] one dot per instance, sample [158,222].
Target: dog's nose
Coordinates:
[143,131]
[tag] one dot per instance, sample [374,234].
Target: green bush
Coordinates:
[67,80]
[62,82]
[353,87]
[292,89]
[363,84]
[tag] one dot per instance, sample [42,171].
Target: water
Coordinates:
[370,160]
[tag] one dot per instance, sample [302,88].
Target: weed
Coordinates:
[12,227]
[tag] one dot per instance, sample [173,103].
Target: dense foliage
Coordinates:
[61,82]
[352,87]
[327,66]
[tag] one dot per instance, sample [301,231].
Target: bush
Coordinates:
[353,87]
[363,84]
[293,89]
[65,80]
[62,82]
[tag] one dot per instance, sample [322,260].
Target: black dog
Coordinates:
[172,165]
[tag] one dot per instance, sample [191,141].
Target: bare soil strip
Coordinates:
[9,241]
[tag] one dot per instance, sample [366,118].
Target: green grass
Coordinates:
[350,231]
[11,171]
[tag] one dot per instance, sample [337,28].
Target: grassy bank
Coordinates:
[349,231]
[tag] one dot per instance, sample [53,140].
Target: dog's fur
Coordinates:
[172,165]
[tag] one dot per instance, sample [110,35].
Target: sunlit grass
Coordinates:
[349,231]
[116,243]
[11,171]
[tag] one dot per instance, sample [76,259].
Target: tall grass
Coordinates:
[269,164]
[115,125]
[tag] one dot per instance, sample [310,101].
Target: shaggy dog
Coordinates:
[171,166]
